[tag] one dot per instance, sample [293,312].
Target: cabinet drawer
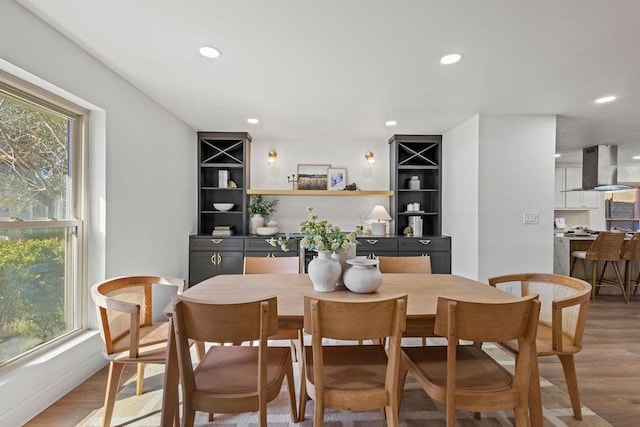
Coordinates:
[261,244]
[208,243]
[373,244]
[428,243]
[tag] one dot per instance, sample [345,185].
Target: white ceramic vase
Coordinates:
[342,256]
[256,221]
[324,272]
[363,276]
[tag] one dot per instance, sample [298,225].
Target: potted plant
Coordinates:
[259,206]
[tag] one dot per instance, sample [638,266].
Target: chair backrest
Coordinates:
[606,247]
[354,320]
[267,265]
[492,322]
[124,304]
[631,251]
[564,301]
[405,264]
[219,322]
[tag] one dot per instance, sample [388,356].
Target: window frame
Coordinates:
[79,206]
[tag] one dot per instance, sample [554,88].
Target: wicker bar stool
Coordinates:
[606,247]
[631,254]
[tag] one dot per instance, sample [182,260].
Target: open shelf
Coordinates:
[361,193]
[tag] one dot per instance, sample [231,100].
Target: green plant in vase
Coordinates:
[259,206]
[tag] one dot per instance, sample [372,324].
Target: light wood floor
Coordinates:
[608,370]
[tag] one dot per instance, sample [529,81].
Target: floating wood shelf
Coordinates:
[356,193]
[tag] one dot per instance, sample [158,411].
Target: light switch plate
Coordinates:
[530,217]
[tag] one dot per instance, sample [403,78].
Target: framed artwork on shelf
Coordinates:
[336,178]
[312,177]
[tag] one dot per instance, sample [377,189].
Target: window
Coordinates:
[41,218]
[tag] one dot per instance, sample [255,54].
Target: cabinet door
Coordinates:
[206,264]
[559,199]
[573,179]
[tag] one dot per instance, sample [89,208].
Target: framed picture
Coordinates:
[312,177]
[337,179]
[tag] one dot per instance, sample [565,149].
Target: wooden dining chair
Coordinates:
[564,302]
[405,264]
[124,307]
[351,376]
[271,265]
[605,248]
[275,265]
[464,377]
[231,379]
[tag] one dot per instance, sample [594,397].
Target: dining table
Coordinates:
[422,290]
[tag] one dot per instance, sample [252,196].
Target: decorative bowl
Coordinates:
[363,277]
[267,231]
[223,206]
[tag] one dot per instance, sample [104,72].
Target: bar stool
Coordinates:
[631,254]
[606,247]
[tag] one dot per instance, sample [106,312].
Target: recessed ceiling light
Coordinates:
[636,157]
[390,123]
[450,59]
[605,99]
[253,121]
[557,155]
[209,52]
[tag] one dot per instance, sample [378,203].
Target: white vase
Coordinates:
[363,276]
[324,272]
[256,221]
[342,256]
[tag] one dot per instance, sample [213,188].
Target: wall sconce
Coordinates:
[271,159]
[369,156]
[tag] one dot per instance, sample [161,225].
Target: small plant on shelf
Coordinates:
[260,206]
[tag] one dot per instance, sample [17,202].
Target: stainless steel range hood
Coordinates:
[600,170]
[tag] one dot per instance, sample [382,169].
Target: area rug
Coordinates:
[416,408]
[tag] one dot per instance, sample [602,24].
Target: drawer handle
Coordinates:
[216,241]
[425,242]
[213,259]
[372,242]
[219,259]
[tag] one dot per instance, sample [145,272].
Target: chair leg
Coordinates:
[594,279]
[624,293]
[391,415]
[569,368]
[140,379]
[318,411]
[302,399]
[291,391]
[113,382]
[520,415]
[535,395]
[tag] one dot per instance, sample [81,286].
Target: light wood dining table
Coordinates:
[423,291]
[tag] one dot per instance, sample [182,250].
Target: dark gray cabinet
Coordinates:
[372,247]
[259,246]
[436,247]
[416,179]
[210,256]
[223,154]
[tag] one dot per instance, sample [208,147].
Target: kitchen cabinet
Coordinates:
[211,256]
[438,248]
[372,247]
[223,177]
[570,178]
[259,246]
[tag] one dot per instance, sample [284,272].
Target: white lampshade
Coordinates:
[379,213]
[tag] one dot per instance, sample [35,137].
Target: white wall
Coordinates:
[516,175]
[460,187]
[143,194]
[345,212]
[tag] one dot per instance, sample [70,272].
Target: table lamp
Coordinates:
[381,216]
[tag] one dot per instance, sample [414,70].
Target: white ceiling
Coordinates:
[338,69]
